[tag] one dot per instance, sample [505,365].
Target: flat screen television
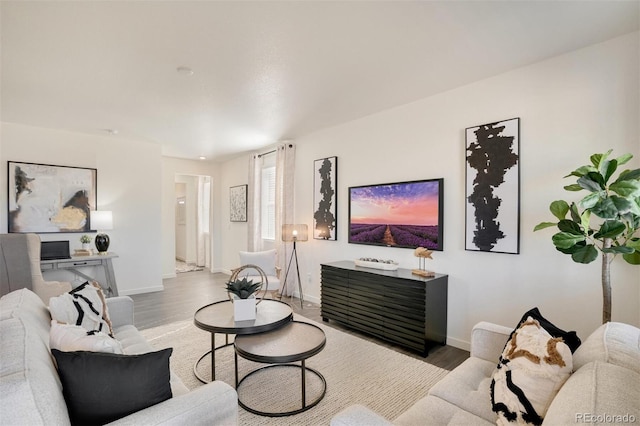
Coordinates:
[404,214]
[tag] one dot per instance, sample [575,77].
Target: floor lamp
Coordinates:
[294,234]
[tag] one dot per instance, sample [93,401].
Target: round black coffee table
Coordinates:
[294,341]
[218,318]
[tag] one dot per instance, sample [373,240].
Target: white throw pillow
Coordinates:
[70,338]
[532,369]
[84,306]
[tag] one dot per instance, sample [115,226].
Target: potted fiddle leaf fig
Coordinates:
[244,299]
[604,221]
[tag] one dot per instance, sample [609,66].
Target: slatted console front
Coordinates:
[396,306]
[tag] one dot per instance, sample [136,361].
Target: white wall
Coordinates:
[129,184]
[570,107]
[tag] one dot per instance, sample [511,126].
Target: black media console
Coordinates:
[396,306]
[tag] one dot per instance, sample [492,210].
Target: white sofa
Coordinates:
[30,389]
[603,389]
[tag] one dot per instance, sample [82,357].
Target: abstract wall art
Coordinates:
[238,203]
[493,187]
[44,198]
[325,182]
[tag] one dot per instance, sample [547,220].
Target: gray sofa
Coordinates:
[31,393]
[603,389]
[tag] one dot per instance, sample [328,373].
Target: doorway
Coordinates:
[192,223]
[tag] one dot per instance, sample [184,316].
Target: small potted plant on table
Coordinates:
[243,298]
[86,241]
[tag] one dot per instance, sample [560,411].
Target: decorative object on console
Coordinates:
[86,241]
[422,254]
[102,220]
[242,294]
[325,183]
[493,187]
[238,203]
[369,262]
[404,214]
[44,198]
[616,203]
[294,234]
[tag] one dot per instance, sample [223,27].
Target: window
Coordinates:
[268,198]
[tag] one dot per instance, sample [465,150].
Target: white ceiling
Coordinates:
[266,71]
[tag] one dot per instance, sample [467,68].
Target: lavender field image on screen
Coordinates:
[407,214]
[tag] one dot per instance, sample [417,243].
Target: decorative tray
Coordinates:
[385,265]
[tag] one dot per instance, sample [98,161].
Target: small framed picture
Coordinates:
[238,203]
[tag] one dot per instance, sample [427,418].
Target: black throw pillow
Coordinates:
[102,387]
[570,337]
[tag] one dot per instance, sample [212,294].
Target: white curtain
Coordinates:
[284,193]
[285,172]
[203,240]
[253,209]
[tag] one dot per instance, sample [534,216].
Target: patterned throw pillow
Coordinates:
[84,306]
[69,338]
[532,369]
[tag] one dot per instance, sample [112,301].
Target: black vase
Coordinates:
[102,242]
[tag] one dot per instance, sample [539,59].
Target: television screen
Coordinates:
[405,214]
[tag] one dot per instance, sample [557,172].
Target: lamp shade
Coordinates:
[101,220]
[295,233]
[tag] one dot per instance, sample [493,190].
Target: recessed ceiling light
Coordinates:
[111,131]
[202,157]
[184,70]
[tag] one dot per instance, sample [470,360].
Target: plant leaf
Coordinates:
[559,209]
[626,188]
[624,158]
[575,214]
[543,225]
[585,220]
[629,175]
[610,229]
[590,200]
[605,208]
[597,158]
[611,167]
[566,240]
[590,183]
[586,254]
[618,250]
[573,187]
[572,249]
[581,171]
[633,258]
[566,225]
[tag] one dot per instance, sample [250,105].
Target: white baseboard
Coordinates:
[460,344]
[164,277]
[142,290]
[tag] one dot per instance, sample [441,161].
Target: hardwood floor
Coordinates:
[183,295]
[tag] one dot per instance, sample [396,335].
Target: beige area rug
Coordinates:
[356,371]
[182,267]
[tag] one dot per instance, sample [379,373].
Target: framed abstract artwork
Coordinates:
[44,198]
[325,182]
[238,203]
[493,187]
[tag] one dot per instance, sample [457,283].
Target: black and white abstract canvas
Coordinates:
[493,187]
[45,198]
[325,182]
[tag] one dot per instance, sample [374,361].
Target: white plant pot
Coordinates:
[86,246]
[244,309]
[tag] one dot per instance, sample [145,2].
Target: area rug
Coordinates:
[182,267]
[357,371]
